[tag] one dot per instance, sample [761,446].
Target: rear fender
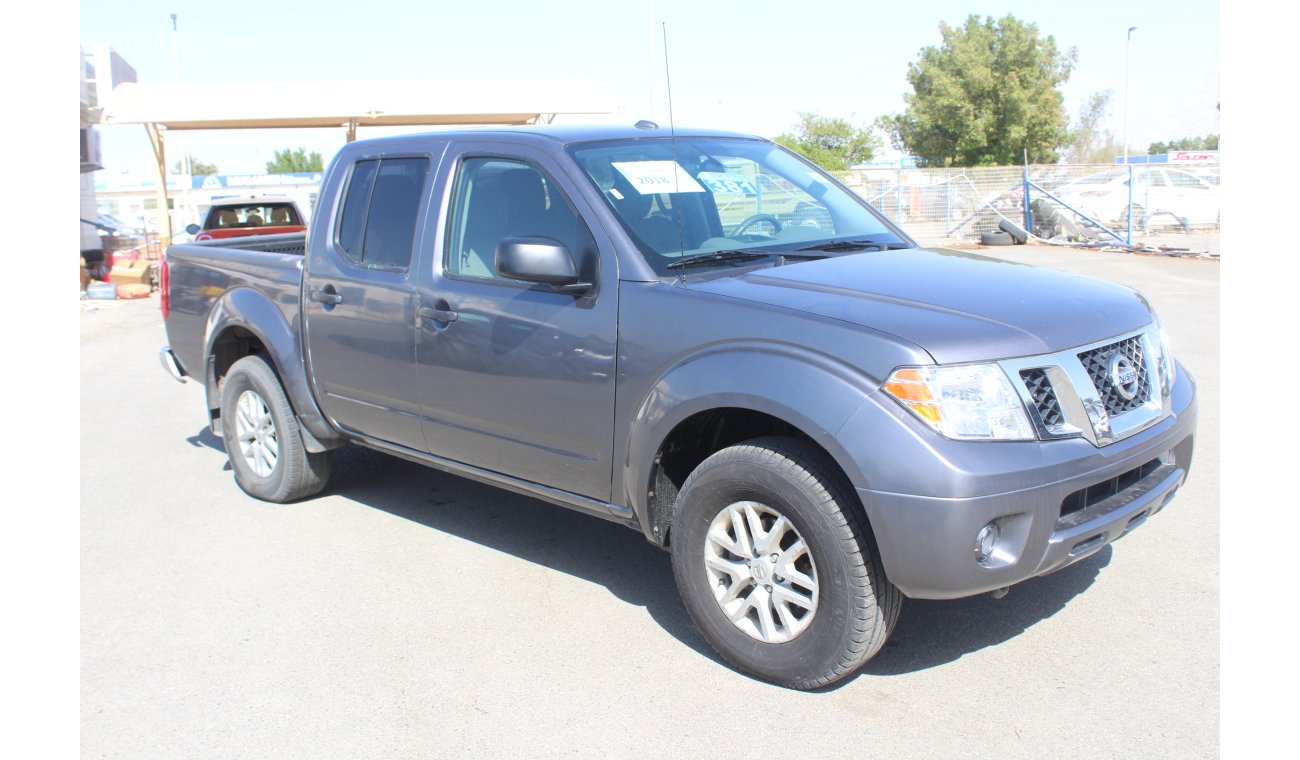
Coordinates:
[252,311]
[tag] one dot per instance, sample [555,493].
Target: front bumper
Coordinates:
[1054,502]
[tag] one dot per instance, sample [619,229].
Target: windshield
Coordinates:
[710,195]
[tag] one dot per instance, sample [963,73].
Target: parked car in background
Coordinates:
[1161,196]
[240,217]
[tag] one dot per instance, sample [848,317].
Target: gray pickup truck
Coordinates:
[708,339]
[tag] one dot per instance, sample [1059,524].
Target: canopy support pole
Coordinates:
[164,213]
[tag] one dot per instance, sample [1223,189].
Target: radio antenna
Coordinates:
[672,136]
[668,78]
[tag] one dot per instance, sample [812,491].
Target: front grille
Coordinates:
[1040,389]
[1095,494]
[1097,362]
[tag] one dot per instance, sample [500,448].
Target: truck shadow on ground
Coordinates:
[206,438]
[931,633]
[928,634]
[595,550]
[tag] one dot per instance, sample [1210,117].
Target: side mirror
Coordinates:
[539,259]
[193,229]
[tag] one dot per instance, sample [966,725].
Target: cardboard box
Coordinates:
[131,273]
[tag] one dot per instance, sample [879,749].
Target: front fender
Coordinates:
[811,391]
[251,310]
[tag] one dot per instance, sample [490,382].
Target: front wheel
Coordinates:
[261,436]
[775,566]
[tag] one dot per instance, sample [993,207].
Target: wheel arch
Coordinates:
[712,402]
[245,322]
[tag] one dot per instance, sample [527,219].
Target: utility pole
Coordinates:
[1128,44]
[185,166]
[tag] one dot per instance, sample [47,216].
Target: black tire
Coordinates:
[855,606]
[1018,234]
[996,238]
[296,472]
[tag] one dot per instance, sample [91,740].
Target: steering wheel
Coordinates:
[755,219]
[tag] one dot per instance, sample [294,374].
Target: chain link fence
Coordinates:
[1075,203]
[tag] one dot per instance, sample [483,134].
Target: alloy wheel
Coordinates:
[761,572]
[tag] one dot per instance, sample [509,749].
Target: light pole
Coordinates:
[184,163]
[1127,45]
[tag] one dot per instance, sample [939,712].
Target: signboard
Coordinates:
[1176,157]
[128,183]
[1193,156]
[220,181]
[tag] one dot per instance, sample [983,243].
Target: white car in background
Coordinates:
[1161,196]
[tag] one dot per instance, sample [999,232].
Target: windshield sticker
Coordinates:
[718,182]
[651,177]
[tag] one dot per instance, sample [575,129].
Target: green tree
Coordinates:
[1089,143]
[290,161]
[1209,142]
[197,168]
[830,143]
[984,96]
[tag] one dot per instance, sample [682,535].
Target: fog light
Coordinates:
[986,541]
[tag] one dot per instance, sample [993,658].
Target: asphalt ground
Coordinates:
[410,613]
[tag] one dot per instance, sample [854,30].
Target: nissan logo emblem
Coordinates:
[1124,376]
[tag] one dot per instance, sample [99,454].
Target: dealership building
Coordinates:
[134,198]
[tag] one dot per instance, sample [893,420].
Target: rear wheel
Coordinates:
[775,565]
[261,436]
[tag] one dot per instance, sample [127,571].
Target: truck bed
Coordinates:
[201,274]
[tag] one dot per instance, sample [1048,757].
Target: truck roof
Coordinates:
[572,133]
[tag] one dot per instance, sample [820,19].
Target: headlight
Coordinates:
[1165,359]
[966,402]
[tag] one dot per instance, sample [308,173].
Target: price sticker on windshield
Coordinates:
[718,182]
[651,177]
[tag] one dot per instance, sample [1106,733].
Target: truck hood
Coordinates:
[958,306]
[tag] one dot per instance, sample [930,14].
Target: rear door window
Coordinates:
[380,208]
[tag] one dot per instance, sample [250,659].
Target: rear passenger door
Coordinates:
[360,304]
[518,378]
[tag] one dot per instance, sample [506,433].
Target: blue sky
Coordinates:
[746,65]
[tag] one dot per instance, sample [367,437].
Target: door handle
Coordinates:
[327,296]
[446,316]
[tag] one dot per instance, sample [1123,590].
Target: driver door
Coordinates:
[515,377]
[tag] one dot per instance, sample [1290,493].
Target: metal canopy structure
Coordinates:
[347,105]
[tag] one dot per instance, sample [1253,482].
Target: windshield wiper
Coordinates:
[851,245]
[738,254]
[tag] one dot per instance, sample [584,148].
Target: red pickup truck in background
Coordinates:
[239,217]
